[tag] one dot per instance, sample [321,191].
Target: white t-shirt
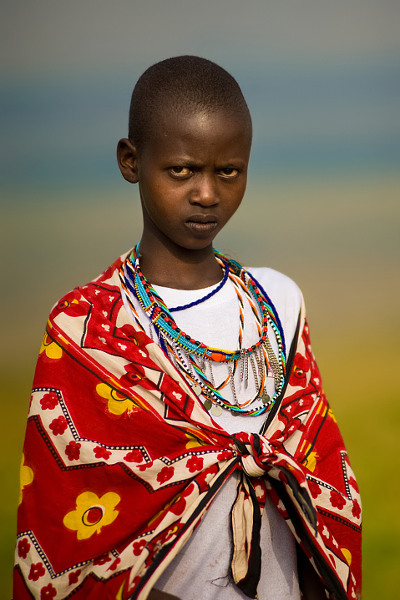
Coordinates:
[201,570]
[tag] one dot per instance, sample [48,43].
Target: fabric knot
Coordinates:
[250,467]
[256,453]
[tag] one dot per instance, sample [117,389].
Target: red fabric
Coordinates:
[121,461]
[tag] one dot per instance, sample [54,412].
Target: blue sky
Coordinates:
[321,78]
[80,35]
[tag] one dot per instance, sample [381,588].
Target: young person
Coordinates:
[179,443]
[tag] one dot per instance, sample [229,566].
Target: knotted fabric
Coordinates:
[260,459]
[121,461]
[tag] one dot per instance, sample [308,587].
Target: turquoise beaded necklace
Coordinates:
[190,353]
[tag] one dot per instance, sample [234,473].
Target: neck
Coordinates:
[179,268]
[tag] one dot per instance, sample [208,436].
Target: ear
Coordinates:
[127,160]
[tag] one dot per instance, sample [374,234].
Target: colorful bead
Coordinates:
[185,348]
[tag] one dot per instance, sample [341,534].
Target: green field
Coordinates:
[343,253]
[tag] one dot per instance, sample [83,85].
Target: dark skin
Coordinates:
[192,175]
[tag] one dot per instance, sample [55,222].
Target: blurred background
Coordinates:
[322,80]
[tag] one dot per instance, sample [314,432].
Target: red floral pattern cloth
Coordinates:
[121,461]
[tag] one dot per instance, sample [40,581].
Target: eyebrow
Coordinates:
[190,162]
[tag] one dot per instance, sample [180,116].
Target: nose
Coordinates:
[205,192]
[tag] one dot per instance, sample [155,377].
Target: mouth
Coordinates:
[202,224]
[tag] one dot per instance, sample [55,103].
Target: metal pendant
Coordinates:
[197,389]
[246,371]
[216,410]
[208,404]
[266,398]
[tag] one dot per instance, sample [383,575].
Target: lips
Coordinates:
[202,224]
[202,219]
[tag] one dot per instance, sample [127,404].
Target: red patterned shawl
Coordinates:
[121,462]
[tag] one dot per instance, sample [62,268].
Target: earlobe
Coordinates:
[127,160]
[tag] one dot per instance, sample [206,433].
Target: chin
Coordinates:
[197,245]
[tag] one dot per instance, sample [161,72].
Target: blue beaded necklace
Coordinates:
[188,351]
[203,298]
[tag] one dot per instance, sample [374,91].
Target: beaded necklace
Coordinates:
[195,358]
[204,298]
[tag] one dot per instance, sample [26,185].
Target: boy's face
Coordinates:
[192,176]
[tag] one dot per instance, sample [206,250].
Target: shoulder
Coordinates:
[279,287]
[102,290]
[285,296]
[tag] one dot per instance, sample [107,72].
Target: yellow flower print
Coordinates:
[25,478]
[51,348]
[194,441]
[311,461]
[117,403]
[347,555]
[92,513]
[120,594]
[332,416]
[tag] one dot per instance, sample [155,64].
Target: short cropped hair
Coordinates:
[182,85]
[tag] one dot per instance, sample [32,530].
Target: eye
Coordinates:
[179,172]
[229,172]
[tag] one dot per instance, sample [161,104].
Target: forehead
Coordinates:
[203,128]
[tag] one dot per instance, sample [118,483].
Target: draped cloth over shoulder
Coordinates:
[121,462]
